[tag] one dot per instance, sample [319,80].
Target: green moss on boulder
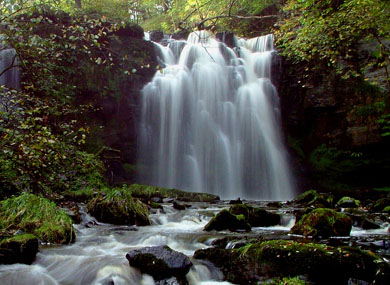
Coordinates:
[117,206]
[323,223]
[225,220]
[18,249]
[38,216]
[348,202]
[256,217]
[284,258]
[312,198]
[380,205]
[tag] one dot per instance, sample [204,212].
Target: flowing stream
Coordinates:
[210,121]
[98,255]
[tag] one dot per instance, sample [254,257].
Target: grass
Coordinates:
[38,216]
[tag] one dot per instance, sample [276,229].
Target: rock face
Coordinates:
[322,223]
[161,262]
[18,249]
[225,220]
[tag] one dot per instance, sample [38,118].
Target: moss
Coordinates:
[348,202]
[381,204]
[386,209]
[38,216]
[307,196]
[147,192]
[291,258]
[81,195]
[286,281]
[117,206]
[315,199]
[18,249]
[225,220]
[323,222]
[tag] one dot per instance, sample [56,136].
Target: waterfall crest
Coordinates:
[210,121]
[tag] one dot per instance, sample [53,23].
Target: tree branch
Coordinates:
[201,23]
[10,67]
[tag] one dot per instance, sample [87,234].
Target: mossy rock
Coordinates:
[348,202]
[256,217]
[18,249]
[291,258]
[284,258]
[147,192]
[225,220]
[38,216]
[312,198]
[117,206]
[380,205]
[323,223]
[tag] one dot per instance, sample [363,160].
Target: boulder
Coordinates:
[161,262]
[256,262]
[311,198]
[117,206]
[225,220]
[256,217]
[18,249]
[380,205]
[323,223]
[348,202]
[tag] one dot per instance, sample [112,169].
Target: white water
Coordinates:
[98,255]
[210,121]
[11,78]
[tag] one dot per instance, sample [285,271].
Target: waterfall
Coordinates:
[11,78]
[210,121]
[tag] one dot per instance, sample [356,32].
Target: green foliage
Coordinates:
[327,33]
[35,215]
[286,281]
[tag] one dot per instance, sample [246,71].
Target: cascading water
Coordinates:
[210,123]
[9,61]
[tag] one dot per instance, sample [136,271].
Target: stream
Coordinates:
[98,255]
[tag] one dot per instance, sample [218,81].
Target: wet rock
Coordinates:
[156,36]
[276,205]
[237,201]
[256,217]
[348,202]
[367,224]
[161,262]
[313,199]
[225,220]
[322,223]
[380,205]
[18,249]
[179,206]
[279,258]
